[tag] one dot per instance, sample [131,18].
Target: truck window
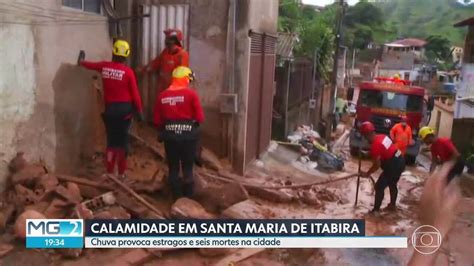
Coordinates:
[391,100]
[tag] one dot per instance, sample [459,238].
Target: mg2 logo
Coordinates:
[59,227]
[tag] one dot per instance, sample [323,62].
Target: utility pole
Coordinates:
[332,101]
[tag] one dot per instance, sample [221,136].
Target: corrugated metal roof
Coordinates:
[285,44]
[466,22]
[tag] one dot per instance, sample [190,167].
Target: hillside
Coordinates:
[421,18]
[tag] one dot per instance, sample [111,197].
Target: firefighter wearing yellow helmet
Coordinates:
[122,101]
[177,116]
[442,150]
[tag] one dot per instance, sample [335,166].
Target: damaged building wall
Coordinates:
[47,102]
[209,21]
[258,16]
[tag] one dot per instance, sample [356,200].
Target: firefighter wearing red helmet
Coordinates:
[173,56]
[387,156]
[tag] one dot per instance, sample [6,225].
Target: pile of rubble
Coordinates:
[314,151]
[33,192]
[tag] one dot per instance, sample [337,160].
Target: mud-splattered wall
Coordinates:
[47,104]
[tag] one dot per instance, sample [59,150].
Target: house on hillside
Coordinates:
[463,128]
[402,57]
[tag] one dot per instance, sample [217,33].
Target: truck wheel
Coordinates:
[354,151]
[410,159]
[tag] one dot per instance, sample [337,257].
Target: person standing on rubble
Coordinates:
[122,101]
[442,150]
[384,155]
[401,135]
[173,56]
[178,115]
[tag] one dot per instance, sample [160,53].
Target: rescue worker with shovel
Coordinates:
[178,115]
[442,150]
[122,101]
[384,155]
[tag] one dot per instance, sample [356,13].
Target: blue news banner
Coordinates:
[204,234]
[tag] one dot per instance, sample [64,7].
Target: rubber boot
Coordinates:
[110,158]
[121,162]
[176,188]
[188,189]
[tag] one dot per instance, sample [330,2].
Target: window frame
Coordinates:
[101,13]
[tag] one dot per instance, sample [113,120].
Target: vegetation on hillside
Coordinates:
[423,18]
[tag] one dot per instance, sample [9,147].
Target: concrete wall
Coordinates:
[442,119]
[259,16]
[208,47]
[47,104]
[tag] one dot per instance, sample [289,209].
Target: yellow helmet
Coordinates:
[121,48]
[425,131]
[183,72]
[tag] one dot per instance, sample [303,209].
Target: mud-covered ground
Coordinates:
[281,163]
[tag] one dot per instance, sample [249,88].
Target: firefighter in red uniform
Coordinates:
[387,156]
[177,115]
[122,100]
[170,58]
[442,150]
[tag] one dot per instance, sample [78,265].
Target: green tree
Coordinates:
[438,48]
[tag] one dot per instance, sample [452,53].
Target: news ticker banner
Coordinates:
[285,233]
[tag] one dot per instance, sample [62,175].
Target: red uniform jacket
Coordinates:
[443,149]
[177,104]
[165,63]
[120,84]
[382,148]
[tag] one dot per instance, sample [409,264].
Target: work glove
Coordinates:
[81,57]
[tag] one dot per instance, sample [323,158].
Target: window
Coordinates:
[92,6]
[391,100]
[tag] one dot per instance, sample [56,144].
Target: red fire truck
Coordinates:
[383,102]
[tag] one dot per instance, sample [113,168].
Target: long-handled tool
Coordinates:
[358,177]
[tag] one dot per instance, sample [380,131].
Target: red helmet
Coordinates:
[366,128]
[174,32]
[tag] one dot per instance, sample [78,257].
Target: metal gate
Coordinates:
[260,96]
[152,40]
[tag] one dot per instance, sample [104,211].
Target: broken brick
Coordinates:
[245,210]
[280,196]
[185,208]
[20,223]
[6,215]
[70,253]
[216,198]
[215,252]
[114,212]
[24,195]
[29,175]
[47,182]
[5,249]
[71,192]
[310,198]
[210,160]
[89,192]
[57,209]
[134,257]
[39,207]
[135,209]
